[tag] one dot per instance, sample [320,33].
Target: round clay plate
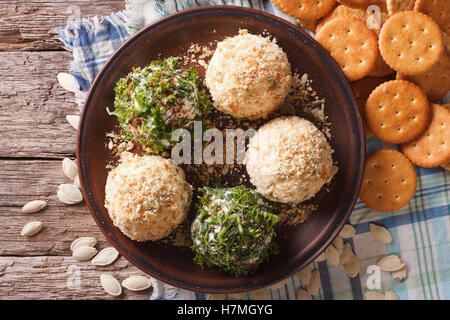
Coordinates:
[172,36]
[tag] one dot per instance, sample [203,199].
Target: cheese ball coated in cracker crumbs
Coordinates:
[146,197]
[289,160]
[248,76]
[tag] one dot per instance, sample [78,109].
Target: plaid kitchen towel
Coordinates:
[420,230]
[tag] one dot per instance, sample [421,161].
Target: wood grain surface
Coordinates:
[34,138]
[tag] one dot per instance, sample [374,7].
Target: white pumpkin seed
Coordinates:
[321,257]
[338,243]
[345,254]
[105,257]
[259,294]
[370,295]
[305,274]
[312,287]
[84,253]
[69,168]
[400,275]
[352,266]
[391,263]
[31,228]
[278,284]
[73,120]
[390,296]
[34,206]
[380,234]
[76,182]
[111,285]
[347,231]
[216,296]
[137,283]
[69,194]
[83,242]
[302,294]
[332,255]
[68,82]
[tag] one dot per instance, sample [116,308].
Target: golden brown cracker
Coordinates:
[438,10]
[361,4]
[396,6]
[434,82]
[305,9]
[310,25]
[389,181]
[446,42]
[432,148]
[351,44]
[381,68]
[397,111]
[362,89]
[410,42]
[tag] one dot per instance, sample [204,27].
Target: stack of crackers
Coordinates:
[396,54]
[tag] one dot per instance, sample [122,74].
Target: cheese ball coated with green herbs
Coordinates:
[152,102]
[234,230]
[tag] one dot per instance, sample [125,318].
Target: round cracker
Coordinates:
[305,9]
[351,44]
[434,82]
[397,111]
[389,181]
[362,89]
[396,6]
[438,10]
[432,148]
[411,42]
[361,4]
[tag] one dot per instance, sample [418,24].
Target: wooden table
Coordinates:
[34,138]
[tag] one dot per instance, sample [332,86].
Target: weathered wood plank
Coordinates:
[22,181]
[31,25]
[33,106]
[61,278]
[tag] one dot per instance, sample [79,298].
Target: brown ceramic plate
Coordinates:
[171,36]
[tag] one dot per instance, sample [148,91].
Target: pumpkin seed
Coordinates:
[391,263]
[137,283]
[345,254]
[352,266]
[34,206]
[302,294]
[216,296]
[370,295]
[380,234]
[400,275]
[347,231]
[76,182]
[312,287]
[305,274]
[69,194]
[31,228]
[111,285]
[332,255]
[68,82]
[106,257]
[390,296]
[84,253]
[259,294]
[73,120]
[83,242]
[69,168]
[338,243]
[321,257]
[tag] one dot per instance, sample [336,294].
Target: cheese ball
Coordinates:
[289,160]
[248,76]
[146,197]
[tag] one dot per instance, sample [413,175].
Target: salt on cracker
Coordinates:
[432,148]
[397,111]
[389,181]
[438,10]
[362,89]
[352,45]
[410,42]
[305,9]
[396,6]
[434,82]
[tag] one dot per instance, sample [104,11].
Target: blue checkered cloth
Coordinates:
[420,230]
